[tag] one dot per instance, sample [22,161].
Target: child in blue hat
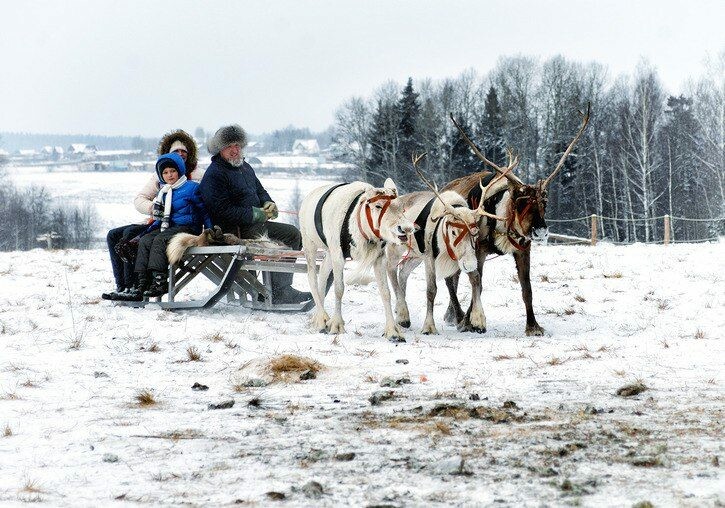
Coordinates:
[182,210]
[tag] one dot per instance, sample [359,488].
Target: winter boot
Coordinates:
[159,285]
[113,295]
[135,294]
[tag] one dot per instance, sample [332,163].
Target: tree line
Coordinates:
[30,213]
[644,154]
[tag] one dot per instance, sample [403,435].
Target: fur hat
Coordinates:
[179,135]
[178,145]
[225,136]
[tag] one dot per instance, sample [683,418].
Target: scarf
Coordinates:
[159,200]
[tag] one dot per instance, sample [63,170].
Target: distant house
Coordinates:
[81,149]
[305,147]
[54,152]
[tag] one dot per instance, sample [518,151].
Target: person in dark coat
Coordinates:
[177,141]
[181,209]
[238,203]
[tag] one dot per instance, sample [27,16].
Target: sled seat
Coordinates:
[235,270]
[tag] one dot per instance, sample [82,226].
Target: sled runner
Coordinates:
[232,268]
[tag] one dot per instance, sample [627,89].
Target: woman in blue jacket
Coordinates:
[179,203]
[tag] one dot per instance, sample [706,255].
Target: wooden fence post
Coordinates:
[594,229]
[667,229]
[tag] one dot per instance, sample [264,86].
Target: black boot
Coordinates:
[113,295]
[288,294]
[159,285]
[135,294]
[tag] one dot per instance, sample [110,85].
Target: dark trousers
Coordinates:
[152,249]
[122,271]
[285,233]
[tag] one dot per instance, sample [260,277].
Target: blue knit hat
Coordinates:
[167,160]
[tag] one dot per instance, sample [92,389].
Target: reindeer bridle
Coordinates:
[465,229]
[369,214]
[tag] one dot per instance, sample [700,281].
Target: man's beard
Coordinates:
[236,162]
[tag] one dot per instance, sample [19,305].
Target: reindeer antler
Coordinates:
[416,159]
[510,177]
[585,121]
[484,190]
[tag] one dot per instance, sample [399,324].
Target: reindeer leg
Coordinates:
[337,324]
[401,307]
[454,313]
[429,327]
[393,332]
[475,319]
[320,318]
[523,266]
[403,274]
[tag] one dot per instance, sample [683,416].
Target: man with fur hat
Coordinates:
[239,204]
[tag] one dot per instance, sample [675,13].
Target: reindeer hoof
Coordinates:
[396,339]
[534,331]
[404,324]
[451,317]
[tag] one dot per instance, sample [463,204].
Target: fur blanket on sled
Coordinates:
[214,236]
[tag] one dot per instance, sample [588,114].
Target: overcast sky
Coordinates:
[145,67]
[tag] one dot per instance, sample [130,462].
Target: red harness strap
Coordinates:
[514,237]
[465,229]
[369,215]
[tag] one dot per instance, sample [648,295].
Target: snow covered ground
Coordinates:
[495,419]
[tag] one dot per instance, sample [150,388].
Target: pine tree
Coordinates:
[408,109]
[463,160]
[492,128]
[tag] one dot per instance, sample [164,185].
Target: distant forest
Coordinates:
[645,153]
[279,140]
[11,141]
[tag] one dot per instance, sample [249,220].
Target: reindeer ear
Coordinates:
[390,184]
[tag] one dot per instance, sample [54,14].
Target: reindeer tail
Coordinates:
[180,242]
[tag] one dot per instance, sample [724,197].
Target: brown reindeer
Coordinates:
[523,207]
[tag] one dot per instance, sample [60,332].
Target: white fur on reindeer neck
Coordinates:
[168,190]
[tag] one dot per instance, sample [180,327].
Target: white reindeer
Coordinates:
[446,243]
[351,220]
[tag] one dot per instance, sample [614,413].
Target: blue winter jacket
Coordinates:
[187,207]
[230,193]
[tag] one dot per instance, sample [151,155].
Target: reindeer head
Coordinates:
[381,214]
[525,215]
[457,227]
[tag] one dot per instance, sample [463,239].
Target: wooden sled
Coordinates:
[233,269]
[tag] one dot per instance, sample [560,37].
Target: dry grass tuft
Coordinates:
[580,299]
[663,305]
[231,344]
[555,360]
[700,334]
[29,383]
[76,343]
[519,356]
[569,311]
[151,347]
[11,396]
[145,398]
[544,278]
[614,275]
[31,487]
[7,431]
[285,367]
[664,343]
[214,337]
[620,373]
[193,354]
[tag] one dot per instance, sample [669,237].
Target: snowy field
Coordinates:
[498,419]
[112,193]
